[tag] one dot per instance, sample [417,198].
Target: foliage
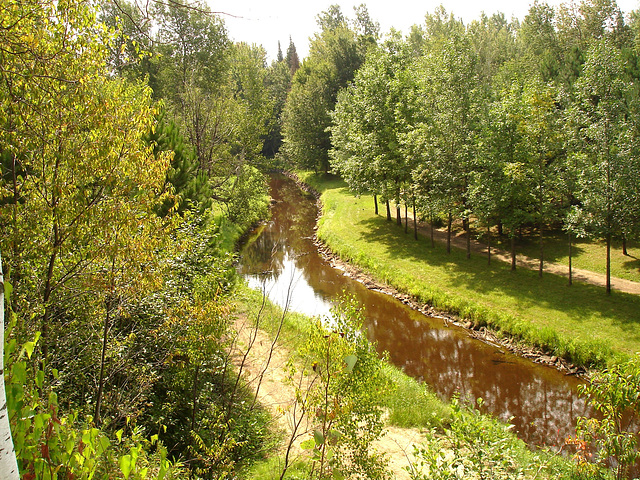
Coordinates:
[602,120]
[50,445]
[365,133]
[477,447]
[193,48]
[248,198]
[278,82]
[615,394]
[88,163]
[187,187]
[343,382]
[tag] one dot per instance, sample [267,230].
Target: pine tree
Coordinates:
[292,58]
[279,57]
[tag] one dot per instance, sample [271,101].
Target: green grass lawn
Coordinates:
[587,254]
[579,322]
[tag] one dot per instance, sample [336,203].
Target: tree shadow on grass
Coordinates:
[556,246]
[580,301]
[632,264]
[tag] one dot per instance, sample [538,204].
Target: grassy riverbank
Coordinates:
[580,323]
[445,434]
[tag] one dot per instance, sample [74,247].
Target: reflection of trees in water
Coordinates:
[543,409]
[282,235]
[265,256]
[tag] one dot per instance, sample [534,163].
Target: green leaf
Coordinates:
[333,436]
[126,465]
[318,437]
[28,348]
[164,467]
[350,360]
[308,444]
[39,379]
[104,444]
[337,474]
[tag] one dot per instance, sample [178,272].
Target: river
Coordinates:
[539,401]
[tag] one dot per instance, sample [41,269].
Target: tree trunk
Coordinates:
[488,245]
[194,398]
[449,233]
[15,271]
[415,220]
[103,356]
[468,239]
[406,218]
[513,252]
[570,259]
[541,251]
[624,246]
[398,217]
[375,203]
[500,230]
[46,297]
[608,264]
[388,211]
[8,463]
[433,243]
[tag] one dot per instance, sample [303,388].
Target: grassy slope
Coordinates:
[579,322]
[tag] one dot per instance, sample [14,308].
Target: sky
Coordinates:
[265,22]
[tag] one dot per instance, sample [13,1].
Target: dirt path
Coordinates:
[459,240]
[269,378]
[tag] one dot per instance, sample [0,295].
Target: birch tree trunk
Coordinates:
[8,463]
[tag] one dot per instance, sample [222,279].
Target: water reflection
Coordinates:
[540,402]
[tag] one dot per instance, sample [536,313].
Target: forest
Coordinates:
[135,140]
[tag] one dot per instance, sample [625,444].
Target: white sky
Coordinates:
[265,22]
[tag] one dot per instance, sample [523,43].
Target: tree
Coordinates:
[306,117]
[365,132]
[339,398]
[77,156]
[501,189]
[333,60]
[601,120]
[292,59]
[253,105]
[187,188]
[538,41]
[445,124]
[278,83]
[541,133]
[130,50]
[193,47]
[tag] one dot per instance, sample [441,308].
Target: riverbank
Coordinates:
[579,324]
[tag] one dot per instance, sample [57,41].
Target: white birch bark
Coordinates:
[8,463]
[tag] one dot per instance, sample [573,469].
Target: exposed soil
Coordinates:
[264,369]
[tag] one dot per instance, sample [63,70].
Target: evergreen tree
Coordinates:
[292,58]
[279,58]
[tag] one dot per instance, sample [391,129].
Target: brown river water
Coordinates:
[539,401]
